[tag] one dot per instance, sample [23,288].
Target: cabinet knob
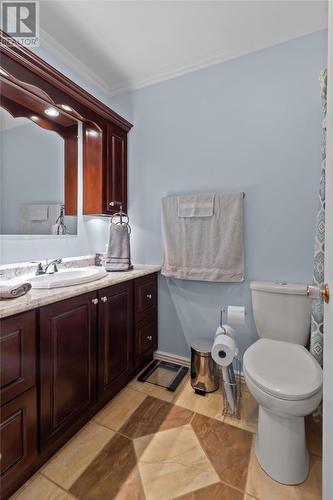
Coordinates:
[104,299]
[94,301]
[149,296]
[149,337]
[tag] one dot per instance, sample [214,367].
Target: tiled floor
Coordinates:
[152,444]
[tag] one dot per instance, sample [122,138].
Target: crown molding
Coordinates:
[64,56]
[170,74]
[56,49]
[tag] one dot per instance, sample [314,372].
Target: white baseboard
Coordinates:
[172,358]
[179,360]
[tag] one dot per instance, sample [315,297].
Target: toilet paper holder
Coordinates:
[228,312]
[231,382]
[221,320]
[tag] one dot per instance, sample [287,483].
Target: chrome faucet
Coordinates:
[43,270]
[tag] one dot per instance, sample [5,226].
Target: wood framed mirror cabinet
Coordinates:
[29,87]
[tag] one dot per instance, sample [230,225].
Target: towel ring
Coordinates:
[121,222]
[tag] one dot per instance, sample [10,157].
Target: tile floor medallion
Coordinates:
[152,444]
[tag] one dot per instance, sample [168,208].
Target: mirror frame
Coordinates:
[20,100]
[33,74]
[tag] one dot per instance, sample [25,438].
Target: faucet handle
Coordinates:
[40,269]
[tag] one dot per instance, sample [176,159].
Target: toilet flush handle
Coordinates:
[316,292]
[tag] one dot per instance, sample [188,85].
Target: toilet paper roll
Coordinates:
[236,315]
[225,329]
[229,331]
[232,333]
[220,330]
[224,350]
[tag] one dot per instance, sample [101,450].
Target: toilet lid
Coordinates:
[285,370]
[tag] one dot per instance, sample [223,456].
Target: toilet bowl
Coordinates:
[284,378]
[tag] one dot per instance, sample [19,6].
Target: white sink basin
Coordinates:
[66,277]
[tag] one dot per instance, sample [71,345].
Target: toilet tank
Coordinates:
[282,311]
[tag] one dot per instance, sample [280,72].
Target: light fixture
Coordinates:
[51,112]
[66,107]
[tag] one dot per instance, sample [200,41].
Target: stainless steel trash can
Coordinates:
[204,370]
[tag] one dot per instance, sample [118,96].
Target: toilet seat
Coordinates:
[282,369]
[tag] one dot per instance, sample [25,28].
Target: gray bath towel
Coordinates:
[118,256]
[201,247]
[8,291]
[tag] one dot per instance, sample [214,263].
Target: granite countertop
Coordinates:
[41,297]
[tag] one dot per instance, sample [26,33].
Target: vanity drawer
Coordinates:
[18,437]
[17,355]
[146,336]
[145,295]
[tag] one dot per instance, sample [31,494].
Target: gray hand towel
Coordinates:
[118,253]
[8,291]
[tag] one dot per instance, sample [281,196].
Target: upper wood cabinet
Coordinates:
[116,170]
[104,169]
[104,131]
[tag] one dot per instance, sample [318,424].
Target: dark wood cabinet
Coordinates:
[57,375]
[145,295]
[104,131]
[18,438]
[67,364]
[17,355]
[104,169]
[116,170]
[18,419]
[145,312]
[115,361]
[146,336]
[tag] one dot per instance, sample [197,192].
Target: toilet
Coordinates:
[283,377]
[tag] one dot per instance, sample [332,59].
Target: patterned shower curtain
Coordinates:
[317,318]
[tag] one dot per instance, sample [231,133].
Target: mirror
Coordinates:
[39,143]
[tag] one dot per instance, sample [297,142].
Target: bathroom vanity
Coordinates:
[64,354]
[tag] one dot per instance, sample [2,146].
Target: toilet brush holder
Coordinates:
[231,388]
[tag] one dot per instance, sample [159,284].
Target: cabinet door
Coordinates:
[67,364]
[18,440]
[116,338]
[145,296]
[93,165]
[116,170]
[17,355]
[146,337]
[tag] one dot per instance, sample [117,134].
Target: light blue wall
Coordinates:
[252,124]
